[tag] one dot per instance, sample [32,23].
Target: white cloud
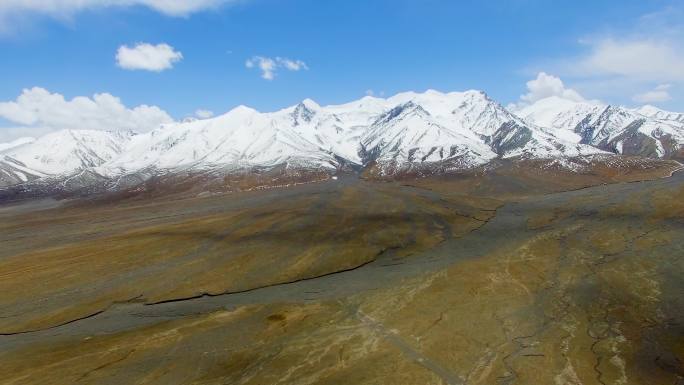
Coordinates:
[659,94]
[16,14]
[269,66]
[647,59]
[544,86]
[265,64]
[144,56]
[63,9]
[37,110]
[204,114]
[292,65]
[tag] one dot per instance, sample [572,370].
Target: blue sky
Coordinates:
[349,48]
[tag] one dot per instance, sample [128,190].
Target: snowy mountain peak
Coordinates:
[310,104]
[401,111]
[304,112]
[241,110]
[559,113]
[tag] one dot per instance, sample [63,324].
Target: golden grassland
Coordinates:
[93,263]
[581,287]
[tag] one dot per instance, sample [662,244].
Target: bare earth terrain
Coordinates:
[508,277]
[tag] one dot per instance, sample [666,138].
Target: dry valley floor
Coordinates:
[507,280]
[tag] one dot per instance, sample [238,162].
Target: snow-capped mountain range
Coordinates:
[646,131]
[463,129]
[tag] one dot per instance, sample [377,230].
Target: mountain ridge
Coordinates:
[404,132]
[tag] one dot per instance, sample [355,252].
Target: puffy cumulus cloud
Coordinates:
[37,111]
[269,66]
[148,57]
[204,114]
[544,86]
[659,94]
